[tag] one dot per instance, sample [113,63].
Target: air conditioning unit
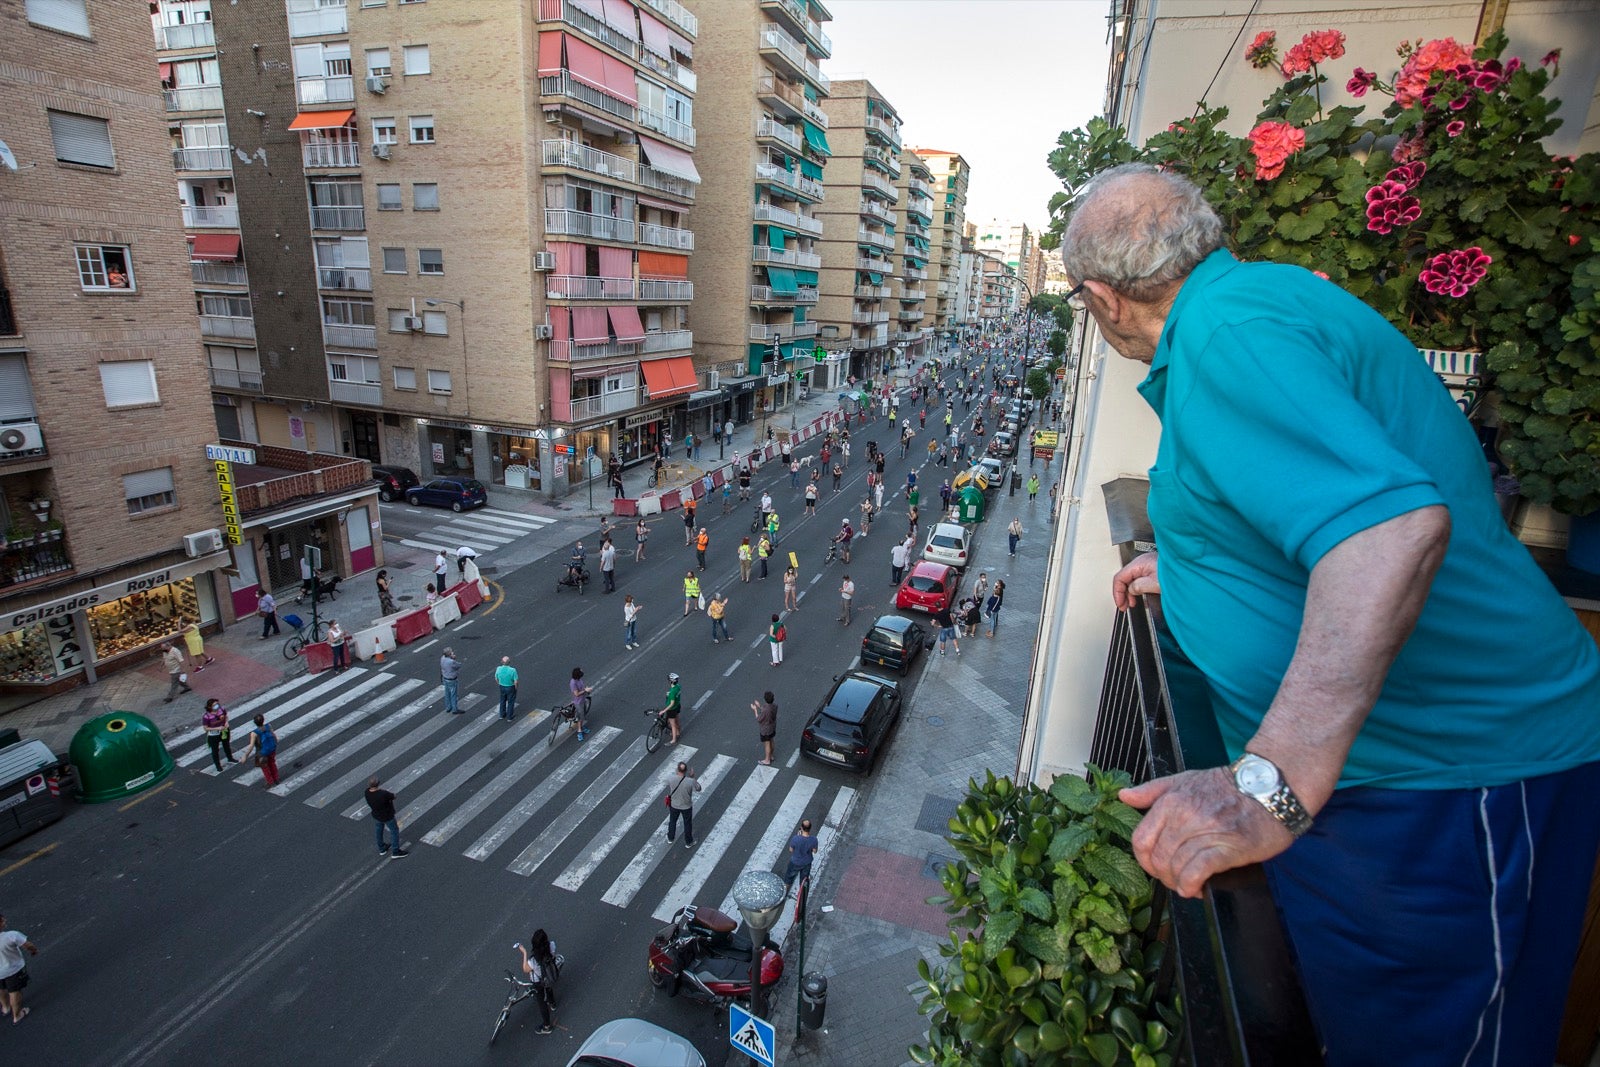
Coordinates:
[413,323]
[380,151]
[713,379]
[541,332]
[544,261]
[202,543]
[377,85]
[20,437]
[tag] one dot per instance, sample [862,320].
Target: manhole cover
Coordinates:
[934,720]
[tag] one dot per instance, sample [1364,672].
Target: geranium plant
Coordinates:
[1446,213]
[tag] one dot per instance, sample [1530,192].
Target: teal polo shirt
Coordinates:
[1293,416]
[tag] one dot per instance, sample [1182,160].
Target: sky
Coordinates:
[996,80]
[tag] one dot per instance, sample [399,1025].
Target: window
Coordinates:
[68,16]
[378,63]
[82,139]
[438,381]
[341,312]
[394,262]
[148,490]
[374,3]
[362,370]
[417,59]
[226,305]
[234,368]
[102,268]
[397,320]
[424,196]
[435,323]
[129,383]
[430,261]
[383,132]
[421,129]
[389,197]
[405,378]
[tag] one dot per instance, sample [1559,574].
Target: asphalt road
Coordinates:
[202,921]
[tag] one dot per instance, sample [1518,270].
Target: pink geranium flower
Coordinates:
[1420,65]
[1456,128]
[1272,143]
[1263,51]
[1390,205]
[1455,273]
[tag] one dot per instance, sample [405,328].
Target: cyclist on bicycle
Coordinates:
[539,964]
[576,562]
[674,704]
[844,538]
[581,699]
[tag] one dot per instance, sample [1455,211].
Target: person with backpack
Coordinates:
[263,749]
[776,634]
[381,801]
[214,720]
[540,964]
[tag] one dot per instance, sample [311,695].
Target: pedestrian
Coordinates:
[791,589]
[744,480]
[338,642]
[381,801]
[688,521]
[746,559]
[969,616]
[542,968]
[766,712]
[980,591]
[776,635]
[701,543]
[763,551]
[14,971]
[263,750]
[688,445]
[616,485]
[727,432]
[802,848]
[1013,535]
[838,472]
[214,721]
[630,622]
[944,619]
[844,451]
[666,443]
[727,497]
[846,535]
[440,571]
[430,594]
[505,676]
[681,789]
[811,498]
[877,494]
[306,579]
[267,608]
[847,593]
[772,527]
[912,515]
[794,473]
[944,494]
[1033,487]
[641,534]
[673,705]
[385,597]
[897,562]
[866,516]
[992,607]
[466,554]
[691,593]
[717,608]
[450,678]
[173,660]
[608,565]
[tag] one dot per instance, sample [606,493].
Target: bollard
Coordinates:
[813,1000]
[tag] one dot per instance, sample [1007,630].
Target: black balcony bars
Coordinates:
[8,320]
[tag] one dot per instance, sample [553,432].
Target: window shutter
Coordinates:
[146,483]
[82,139]
[72,16]
[128,383]
[16,391]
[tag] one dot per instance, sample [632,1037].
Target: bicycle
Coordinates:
[659,728]
[521,989]
[833,553]
[304,635]
[655,478]
[567,715]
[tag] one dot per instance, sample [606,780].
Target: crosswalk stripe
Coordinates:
[427,763]
[516,737]
[435,547]
[466,535]
[837,813]
[628,883]
[346,722]
[504,529]
[602,843]
[309,774]
[517,518]
[708,853]
[767,850]
[559,828]
[297,725]
[346,782]
[553,783]
[279,709]
[236,716]
[570,818]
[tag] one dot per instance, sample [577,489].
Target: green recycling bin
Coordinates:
[117,755]
[969,503]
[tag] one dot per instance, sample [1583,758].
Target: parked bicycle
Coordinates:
[304,634]
[659,728]
[521,989]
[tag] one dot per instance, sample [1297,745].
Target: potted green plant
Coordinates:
[17,537]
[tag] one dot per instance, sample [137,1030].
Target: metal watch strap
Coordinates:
[1287,809]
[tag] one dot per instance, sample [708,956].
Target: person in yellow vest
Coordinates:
[691,593]
[772,528]
[746,556]
[763,550]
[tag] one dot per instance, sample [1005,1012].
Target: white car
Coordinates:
[636,1043]
[947,544]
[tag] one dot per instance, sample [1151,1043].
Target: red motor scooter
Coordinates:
[702,955]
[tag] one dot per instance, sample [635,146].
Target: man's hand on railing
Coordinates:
[1137,579]
[1199,824]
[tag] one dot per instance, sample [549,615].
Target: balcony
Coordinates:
[916,273]
[676,14]
[882,158]
[667,341]
[231,327]
[920,187]
[868,318]
[815,113]
[211,216]
[339,218]
[874,210]
[345,335]
[774,42]
[587,224]
[299,475]
[771,213]
[571,352]
[687,80]
[666,237]
[793,13]
[910,295]
[210,157]
[34,555]
[910,315]
[245,381]
[650,119]
[665,290]
[203,272]
[558,153]
[770,130]
[763,294]
[194,98]
[875,265]
[593,407]
[917,229]
[781,96]
[884,129]
[331,154]
[565,85]
[584,287]
[873,239]
[345,279]
[877,183]
[782,331]
[871,292]
[369,394]
[189,35]
[311,18]
[588,25]
[331,89]
[785,257]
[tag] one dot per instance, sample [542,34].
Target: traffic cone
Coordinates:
[377,655]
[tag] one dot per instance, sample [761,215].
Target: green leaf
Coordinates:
[1106,914]
[1117,869]
[1048,944]
[998,931]
[1070,840]
[1102,1047]
[1100,948]
[1126,1025]
[1033,901]
[1078,795]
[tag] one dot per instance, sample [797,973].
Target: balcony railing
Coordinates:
[868,318]
[368,393]
[792,219]
[587,224]
[583,287]
[785,257]
[884,129]
[569,87]
[344,335]
[763,294]
[587,24]
[332,89]
[188,35]
[815,113]
[777,131]
[775,40]
[194,98]
[45,554]
[663,182]
[910,315]
[667,341]
[1242,998]
[679,73]
[782,331]
[339,218]
[593,407]
[876,266]
[665,290]
[917,185]
[211,215]
[776,91]
[879,184]
[873,239]
[209,157]
[882,157]
[8,318]
[871,292]
[651,119]
[909,295]
[796,11]
[244,380]
[317,20]
[666,236]
[874,210]
[345,278]
[208,272]
[558,153]
[332,154]
[234,327]
[676,14]
[917,273]
[570,351]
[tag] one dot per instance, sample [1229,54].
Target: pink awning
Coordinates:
[616,262]
[620,17]
[560,323]
[215,247]
[666,158]
[620,79]
[684,46]
[657,37]
[587,63]
[549,54]
[625,322]
[569,255]
[589,326]
[661,205]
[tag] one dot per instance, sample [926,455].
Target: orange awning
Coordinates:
[672,376]
[216,247]
[662,265]
[321,120]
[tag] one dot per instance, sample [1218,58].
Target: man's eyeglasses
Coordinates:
[1074,297]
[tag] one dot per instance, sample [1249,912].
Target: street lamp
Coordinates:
[760,896]
[466,368]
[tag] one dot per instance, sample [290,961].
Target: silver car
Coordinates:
[635,1043]
[947,544]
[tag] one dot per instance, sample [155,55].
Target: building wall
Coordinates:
[840,212]
[949,225]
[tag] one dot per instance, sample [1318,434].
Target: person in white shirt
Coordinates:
[897,563]
[336,641]
[847,592]
[14,971]
[608,565]
[439,571]
[464,555]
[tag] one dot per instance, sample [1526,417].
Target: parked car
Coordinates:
[853,723]
[987,474]
[894,642]
[929,587]
[393,481]
[635,1043]
[1004,443]
[947,543]
[457,494]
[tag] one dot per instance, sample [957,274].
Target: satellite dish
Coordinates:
[7,157]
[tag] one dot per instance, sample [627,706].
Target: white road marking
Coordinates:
[610,835]
[771,847]
[352,778]
[483,796]
[356,744]
[703,698]
[837,813]
[794,757]
[345,724]
[243,712]
[294,726]
[562,825]
[709,850]
[514,518]
[628,883]
[732,667]
[427,763]
[541,795]
[426,644]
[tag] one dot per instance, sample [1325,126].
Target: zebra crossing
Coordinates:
[586,817]
[482,529]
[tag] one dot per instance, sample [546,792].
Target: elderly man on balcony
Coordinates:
[1413,712]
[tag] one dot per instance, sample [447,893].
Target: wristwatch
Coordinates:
[1259,779]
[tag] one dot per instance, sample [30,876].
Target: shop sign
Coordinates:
[228,454]
[630,421]
[775,379]
[438,453]
[230,499]
[65,651]
[88,598]
[1046,439]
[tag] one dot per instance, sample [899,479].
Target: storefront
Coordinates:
[345,529]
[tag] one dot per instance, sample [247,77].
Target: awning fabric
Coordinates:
[215,247]
[775,237]
[589,326]
[620,17]
[593,8]
[672,376]
[662,265]
[321,120]
[166,72]
[620,79]
[816,139]
[625,322]
[811,170]
[549,53]
[805,277]
[664,205]
[674,161]
[657,38]
[684,46]
[782,281]
[877,279]
[587,63]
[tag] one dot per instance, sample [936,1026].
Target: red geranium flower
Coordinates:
[1360,82]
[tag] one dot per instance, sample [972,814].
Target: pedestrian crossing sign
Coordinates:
[752,1035]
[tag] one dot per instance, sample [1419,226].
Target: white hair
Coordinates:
[1139,229]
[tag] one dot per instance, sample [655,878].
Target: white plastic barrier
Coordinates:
[364,644]
[445,612]
[650,503]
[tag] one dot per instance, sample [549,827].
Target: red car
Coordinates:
[929,587]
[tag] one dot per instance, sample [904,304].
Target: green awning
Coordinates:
[816,139]
[757,356]
[787,351]
[915,262]
[811,170]
[806,277]
[800,313]
[781,279]
[774,237]
[810,91]
[877,279]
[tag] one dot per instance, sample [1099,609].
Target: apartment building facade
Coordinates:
[951,174]
[764,145]
[110,508]
[1016,245]
[910,330]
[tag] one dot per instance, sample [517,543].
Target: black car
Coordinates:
[393,481]
[893,642]
[853,724]
[457,494]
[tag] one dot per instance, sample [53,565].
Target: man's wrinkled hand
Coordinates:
[1199,824]
[1137,579]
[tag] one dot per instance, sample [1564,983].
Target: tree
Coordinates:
[1057,343]
[1063,315]
[1038,383]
